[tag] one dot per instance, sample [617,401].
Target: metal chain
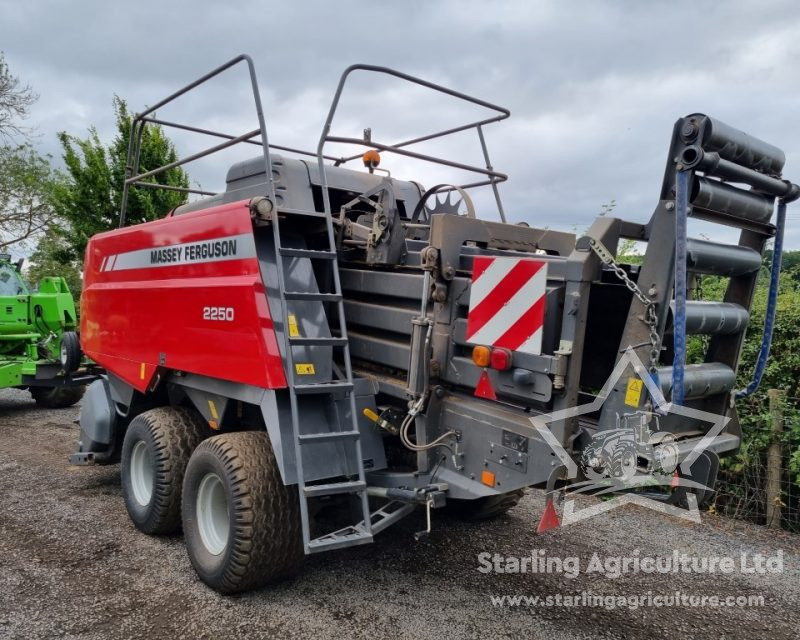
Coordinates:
[649,318]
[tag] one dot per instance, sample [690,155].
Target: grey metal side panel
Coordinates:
[392,319]
[200,388]
[387,352]
[293,181]
[370,281]
[246,180]
[492,436]
[274,407]
[312,322]
[361,181]
[319,458]
[120,391]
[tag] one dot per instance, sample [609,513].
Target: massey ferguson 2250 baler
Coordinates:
[300,361]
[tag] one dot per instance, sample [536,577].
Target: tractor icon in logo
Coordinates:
[631,449]
[633,460]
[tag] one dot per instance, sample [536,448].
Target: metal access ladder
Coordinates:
[302,393]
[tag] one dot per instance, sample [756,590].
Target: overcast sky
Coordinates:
[593,87]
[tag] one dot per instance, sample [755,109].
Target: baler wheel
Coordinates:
[56,397]
[70,353]
[240,522]
[157,447]
[484,508]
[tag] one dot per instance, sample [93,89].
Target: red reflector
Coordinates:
[501,359]
[484,388]
[549,518]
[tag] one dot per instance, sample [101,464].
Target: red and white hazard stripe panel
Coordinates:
[506,303]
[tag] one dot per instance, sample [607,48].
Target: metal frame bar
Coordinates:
[169,187]
[420,156]
[132,178]
[145,117]
[398,148]
[195,156]
[218,134]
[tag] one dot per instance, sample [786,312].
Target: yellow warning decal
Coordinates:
[634,392]
[304,369]
[213,409]
[293,330]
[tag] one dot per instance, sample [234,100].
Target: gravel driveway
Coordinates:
[72,565]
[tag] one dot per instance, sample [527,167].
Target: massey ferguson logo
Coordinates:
[213,250]
[194,252]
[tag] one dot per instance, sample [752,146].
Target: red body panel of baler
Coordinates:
[182,293]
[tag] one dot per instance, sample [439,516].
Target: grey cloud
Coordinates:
[594,87]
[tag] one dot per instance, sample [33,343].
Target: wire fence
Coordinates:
[761,483]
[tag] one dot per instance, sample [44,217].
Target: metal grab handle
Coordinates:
[139,121]
[502,114]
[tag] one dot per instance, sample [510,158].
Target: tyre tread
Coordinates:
[176,432]
[57,397]
[266,537]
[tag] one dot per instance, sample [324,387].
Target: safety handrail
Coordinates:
[256,136]
[493,176]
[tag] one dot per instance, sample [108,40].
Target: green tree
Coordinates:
[26,178]
[52,257]
[27,184]
[89,199]
[16,100]
[782,370]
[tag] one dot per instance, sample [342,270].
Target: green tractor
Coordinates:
[39,346]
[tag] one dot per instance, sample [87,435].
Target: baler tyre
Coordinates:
[485,508]
[157,446]
[240,522]
[70,352]
[56,397]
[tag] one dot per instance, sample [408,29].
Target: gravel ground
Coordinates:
[72,565]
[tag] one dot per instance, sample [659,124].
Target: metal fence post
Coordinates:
[775,458]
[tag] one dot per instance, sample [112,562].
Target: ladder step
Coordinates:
[322,387]
[350,537]
[334,488]
[317,342]
[307,253]
[327,437]
[304,295]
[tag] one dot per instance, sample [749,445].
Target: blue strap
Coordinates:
[772,304]
[679,319]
